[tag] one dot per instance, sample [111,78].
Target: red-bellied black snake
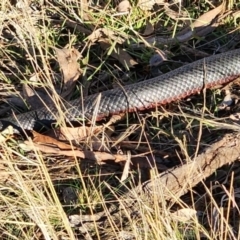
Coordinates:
[166,88]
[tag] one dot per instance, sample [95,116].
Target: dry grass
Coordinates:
[38,192]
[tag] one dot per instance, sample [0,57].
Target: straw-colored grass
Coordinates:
[39,191]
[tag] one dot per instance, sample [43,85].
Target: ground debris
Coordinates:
[171,184]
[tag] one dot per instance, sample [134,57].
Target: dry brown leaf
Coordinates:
[67,59]
[78,133]
[96,156]
[149,29]
[203,21]
[102,34]
[124,6]
[208,17]
[120,54]
[204,25]
[43,139]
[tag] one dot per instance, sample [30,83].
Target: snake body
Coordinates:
[166,88]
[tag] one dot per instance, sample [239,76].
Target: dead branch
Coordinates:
[178,181]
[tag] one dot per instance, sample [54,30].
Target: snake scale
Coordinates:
[166,88]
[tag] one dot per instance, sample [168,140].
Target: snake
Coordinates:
[172,86]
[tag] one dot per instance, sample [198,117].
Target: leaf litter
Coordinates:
[68,62]
[124,6]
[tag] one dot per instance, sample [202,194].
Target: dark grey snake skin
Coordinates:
[177,84]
